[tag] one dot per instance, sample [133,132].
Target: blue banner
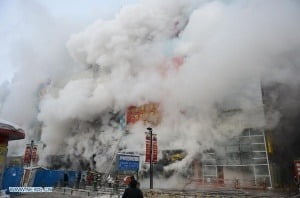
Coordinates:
[128,162]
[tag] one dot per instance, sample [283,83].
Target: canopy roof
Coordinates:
[10,130]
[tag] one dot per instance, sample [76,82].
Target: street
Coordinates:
[108,192]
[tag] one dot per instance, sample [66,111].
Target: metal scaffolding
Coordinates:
[246,153]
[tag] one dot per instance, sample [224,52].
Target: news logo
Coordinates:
[30,189]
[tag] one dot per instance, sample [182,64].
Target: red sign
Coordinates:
[147,113]
[30,155]
[297,168]
[154,148]
[27,155]
[34,155]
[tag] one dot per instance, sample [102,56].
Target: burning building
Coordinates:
[210,124]
[241,159]
[282,106]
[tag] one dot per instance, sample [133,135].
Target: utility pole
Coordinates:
[151,163]
[31,148]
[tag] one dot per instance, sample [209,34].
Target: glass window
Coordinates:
[245,132]
[233,158]
[245,148]
[259,154]
[258,147]
[221,161]
[210,170]
[233,141]
[256,132]
[259,161]
[257,139]
[246,158]
[232,149]
[244,140]
[220,151]
[261,170]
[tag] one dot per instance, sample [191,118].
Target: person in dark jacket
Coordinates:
[78,179]
[66,179]
[133,191]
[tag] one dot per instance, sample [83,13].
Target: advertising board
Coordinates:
[128,162]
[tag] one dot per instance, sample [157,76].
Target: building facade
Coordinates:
[242,159]
[8,132]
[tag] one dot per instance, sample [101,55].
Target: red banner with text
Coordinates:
[154,148]
[27,155]
[31,156]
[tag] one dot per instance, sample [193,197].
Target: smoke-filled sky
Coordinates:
[33,52]
[33,39]
[95,67]
[19,19]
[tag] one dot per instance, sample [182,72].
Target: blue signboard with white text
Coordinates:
[128,162]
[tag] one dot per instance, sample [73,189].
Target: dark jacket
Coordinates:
[133,191]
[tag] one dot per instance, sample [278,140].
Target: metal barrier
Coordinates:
[89,192]
[226,183]
[194,194]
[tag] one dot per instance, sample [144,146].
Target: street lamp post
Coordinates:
[151,165]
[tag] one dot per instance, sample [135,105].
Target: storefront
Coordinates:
[8,132]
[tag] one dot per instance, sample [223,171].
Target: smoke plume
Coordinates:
[228,48]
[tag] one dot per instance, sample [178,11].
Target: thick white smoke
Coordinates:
[34,43]
[229,47]
[122,58]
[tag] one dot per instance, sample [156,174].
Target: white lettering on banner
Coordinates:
[30,189]
[129,158]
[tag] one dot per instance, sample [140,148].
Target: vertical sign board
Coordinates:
[128,162]
[34,155]
[31,155]
[148,148]
[297,168]
[154,148]
[27,155]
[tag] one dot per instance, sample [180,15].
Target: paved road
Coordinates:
[107,193]
[45,195]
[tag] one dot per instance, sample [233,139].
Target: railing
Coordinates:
[226,183]
[90,192]
[196,194]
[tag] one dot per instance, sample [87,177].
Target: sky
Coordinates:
[16,21]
